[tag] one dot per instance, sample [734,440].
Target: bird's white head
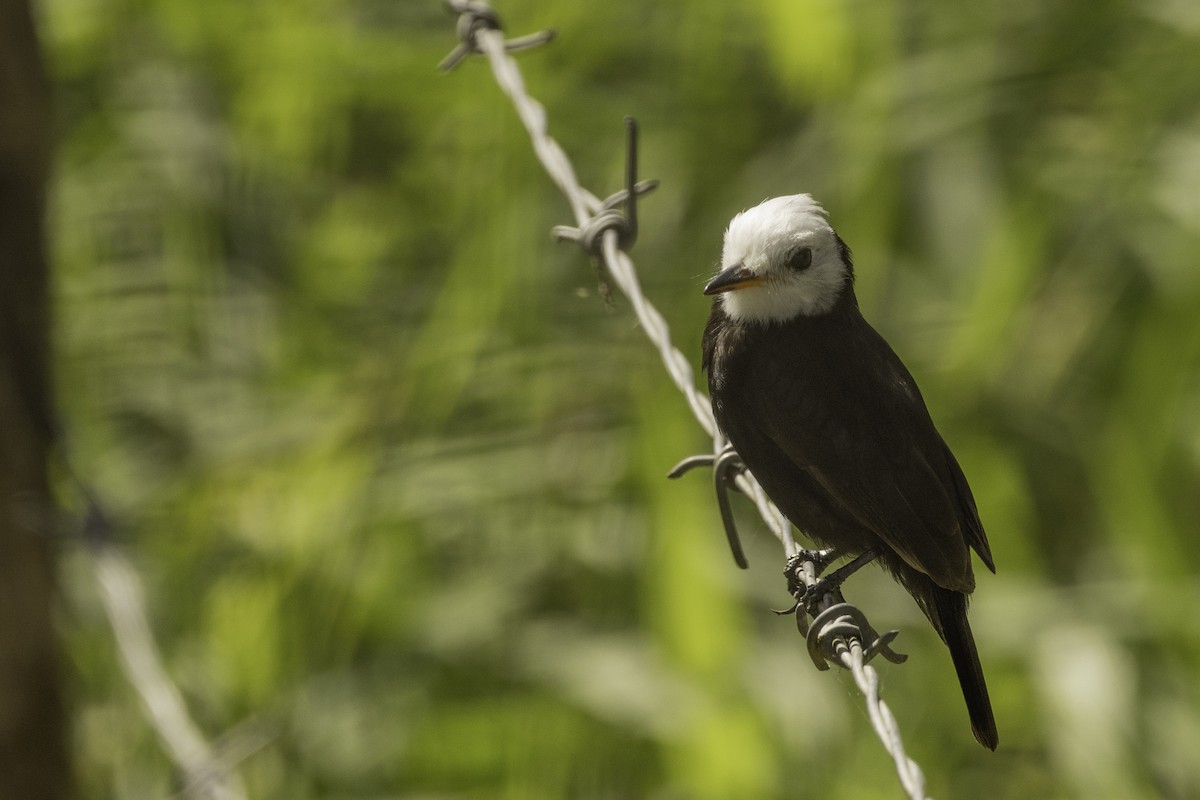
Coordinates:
[781,259]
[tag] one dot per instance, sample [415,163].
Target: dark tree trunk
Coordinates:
[34,761]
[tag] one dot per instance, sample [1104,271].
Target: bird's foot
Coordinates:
[831,585]
[796,573]
[821,599]
[820,559]
[811,596]
[793,570]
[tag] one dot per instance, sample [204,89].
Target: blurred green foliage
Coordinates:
[394,474]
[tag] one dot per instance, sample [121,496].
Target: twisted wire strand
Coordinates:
[850,653]
[125,605]
[849,650]
[583,205]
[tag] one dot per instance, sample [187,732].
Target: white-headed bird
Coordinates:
[832,425]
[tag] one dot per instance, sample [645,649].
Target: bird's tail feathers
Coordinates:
[952,614]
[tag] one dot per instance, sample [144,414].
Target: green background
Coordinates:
[393,472]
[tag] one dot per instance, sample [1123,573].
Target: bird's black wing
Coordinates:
[968,514]
[853,419]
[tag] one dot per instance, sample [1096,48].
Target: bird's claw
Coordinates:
[813,591]
[793,570]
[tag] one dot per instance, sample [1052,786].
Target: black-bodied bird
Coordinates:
[831,424]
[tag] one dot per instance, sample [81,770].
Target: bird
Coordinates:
[830,422]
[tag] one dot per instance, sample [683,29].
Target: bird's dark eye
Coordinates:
[800,259]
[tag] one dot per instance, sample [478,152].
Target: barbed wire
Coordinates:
[207,771]
[838,630]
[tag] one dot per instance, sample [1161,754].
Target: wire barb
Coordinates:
[727,467]
[842,621]
[618,212]
[473,17]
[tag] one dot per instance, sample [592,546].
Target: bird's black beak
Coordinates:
[735,277]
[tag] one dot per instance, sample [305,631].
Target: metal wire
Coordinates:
[847,645]
[125,605]
[850,653]
[584,205]
[208,771]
